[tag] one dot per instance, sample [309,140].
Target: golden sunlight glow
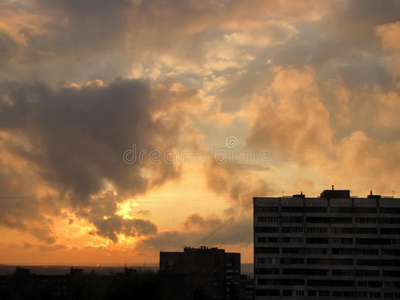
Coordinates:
[126,209]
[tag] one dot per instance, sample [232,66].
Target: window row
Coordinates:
[335,230]
[280,282]
[360,273]
[311,240]
[378,262]
[325,293]
[352,251]
[335,272]
[316,209]
[304,209]
[351,294]
[304,250]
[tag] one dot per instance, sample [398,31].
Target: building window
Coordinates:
[323,293]
[343,272]
[304,250]
[366,220]
[390,210]
[359,230]
[395,252]
[362,283]
[268,260]
[270,209]
[263,240]
[287,293]
[292,229]
[373,241]
[260,292]
[267,250]
[327,282]
[300,293]
[291,261]
[390,230]
[337,294]
[352,251]
[374,295]
[293,209]
[316,209]
[291,219]
[319,272]
[268,219]
[286,239]
[317,241]
[268,271]
[388,296]
[266,229]
[389,220]
[317,230]
[335,230]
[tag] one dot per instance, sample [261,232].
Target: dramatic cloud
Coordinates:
[289,116]
[208,231]
[390,41]
[77,136]
[102,213]
[85,84]
[74,140]
[236,180]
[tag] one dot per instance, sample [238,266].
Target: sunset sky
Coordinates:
[309,91]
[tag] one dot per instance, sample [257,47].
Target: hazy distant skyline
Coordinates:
[313,83]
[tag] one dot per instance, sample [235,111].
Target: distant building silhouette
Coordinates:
[206,273]
[26,285]
[74,285]
[332,247]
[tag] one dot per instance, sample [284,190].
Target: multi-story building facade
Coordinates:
[211,271]
[331,247]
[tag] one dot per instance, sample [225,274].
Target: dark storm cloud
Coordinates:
[8,47]
[196,221]
[114,225]
[73,140]
[66,40]
[78,136]
[45,248]
[81,27]
[236,231]
[101,212]
[17,211]
[43,234]
[240,182]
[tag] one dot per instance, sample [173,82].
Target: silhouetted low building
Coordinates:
[204,273]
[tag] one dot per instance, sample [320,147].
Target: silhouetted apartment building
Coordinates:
[204,273]
[26,285]
[334,246]
[76,285]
